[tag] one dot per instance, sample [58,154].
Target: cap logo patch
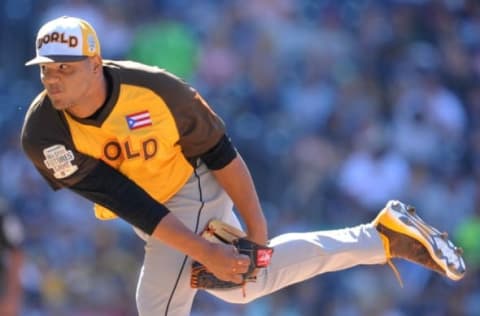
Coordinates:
[56,37]
[91,43]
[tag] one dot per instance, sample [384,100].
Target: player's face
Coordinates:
[68,84]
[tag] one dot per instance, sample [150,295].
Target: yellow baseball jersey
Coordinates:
[151,128]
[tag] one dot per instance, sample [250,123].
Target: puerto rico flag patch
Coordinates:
[139,120]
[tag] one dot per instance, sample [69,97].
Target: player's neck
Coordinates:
[93,101]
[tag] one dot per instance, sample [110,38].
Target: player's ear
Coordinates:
[96,63]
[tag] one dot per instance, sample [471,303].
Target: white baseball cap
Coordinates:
[65,39]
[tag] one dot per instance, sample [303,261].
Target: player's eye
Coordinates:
[63,66]
[43,69]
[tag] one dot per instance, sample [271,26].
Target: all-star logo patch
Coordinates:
[59,159]
[139,120]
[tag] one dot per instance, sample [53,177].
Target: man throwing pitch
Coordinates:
[143,145]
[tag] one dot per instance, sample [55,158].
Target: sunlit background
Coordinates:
[337,106]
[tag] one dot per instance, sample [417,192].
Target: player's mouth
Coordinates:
[53,91]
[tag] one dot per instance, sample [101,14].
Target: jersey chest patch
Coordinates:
[139,120]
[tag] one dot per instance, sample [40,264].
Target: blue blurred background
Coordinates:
[337,106]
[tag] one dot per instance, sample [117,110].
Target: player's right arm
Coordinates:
[108,187]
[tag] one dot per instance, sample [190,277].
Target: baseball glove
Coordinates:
[218,231]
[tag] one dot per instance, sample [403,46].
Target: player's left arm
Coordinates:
[203,135]
[235,178]
[233,175]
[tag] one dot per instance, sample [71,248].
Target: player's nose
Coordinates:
[49,77]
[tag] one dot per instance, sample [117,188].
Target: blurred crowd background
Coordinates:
[336,105]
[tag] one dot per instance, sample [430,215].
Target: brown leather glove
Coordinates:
[218,231]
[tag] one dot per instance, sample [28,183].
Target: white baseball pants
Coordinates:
[164,282]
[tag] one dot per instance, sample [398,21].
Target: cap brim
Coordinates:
[53,59]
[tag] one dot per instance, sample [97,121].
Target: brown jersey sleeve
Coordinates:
[47,142]
[199,127]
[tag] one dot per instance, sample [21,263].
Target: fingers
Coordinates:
[236,278]
[239,266]
[230,265]
[236,265]
[242,262]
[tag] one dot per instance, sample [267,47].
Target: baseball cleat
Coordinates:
[407,236]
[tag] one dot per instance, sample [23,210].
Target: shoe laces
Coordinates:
[395,272]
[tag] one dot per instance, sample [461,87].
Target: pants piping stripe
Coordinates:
[199,212]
